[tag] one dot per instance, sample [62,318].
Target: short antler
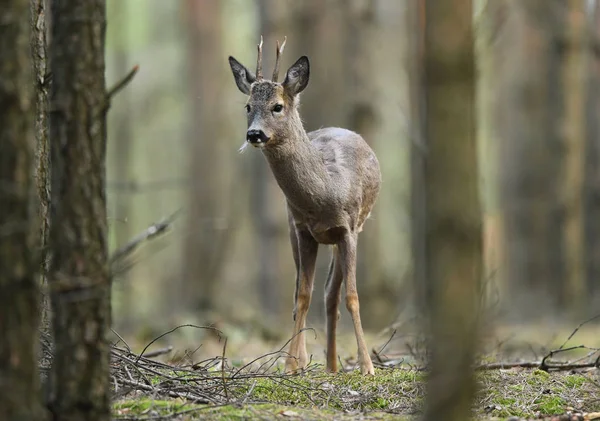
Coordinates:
[259,75]
[279,51]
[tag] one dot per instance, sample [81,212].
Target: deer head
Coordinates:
[272,107]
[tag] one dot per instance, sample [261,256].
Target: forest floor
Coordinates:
[195,385]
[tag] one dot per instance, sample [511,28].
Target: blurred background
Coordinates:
[174,135]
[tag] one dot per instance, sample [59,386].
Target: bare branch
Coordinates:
[149,233]
[122,83]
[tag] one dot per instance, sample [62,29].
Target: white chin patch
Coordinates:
[259,145]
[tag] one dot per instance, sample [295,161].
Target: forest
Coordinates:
[196,195]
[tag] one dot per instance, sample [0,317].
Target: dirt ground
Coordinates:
[189,383]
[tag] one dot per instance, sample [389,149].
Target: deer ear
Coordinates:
[297,76]
[243,77]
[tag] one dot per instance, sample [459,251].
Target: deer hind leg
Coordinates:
[333,289]
[347,253]
[307,253]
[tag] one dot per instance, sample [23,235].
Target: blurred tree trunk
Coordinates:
[453,213]
[42,158]
[363,116]
[490,18]
[592,161]
[416,34]
[528,152]
[572,130]
[121,148]
[207,237]
[19,381]
[79,277]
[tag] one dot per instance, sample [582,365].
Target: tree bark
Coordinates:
[210,216]
[453,213]
[120,154]
[592,162]
[572,130]
[19,381]
[79,277]
[42,156]
[416,28]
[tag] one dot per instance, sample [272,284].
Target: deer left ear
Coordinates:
[296,78]
[243,77]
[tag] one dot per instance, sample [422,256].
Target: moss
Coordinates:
[574,380]
[144,405]
[550,404]
[340,391]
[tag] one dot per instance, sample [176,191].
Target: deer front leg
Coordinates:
[333,289]
[307,253]
[347,248]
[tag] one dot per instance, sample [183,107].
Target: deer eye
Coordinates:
[247,108]
[278,108]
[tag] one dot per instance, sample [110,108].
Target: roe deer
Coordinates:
[330,178]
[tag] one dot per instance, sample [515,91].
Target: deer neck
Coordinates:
[300,171]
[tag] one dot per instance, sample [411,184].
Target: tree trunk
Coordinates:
[592,163]
[210,215]
[19,381]
[453,214]
[42,158]
[416,29]
[79,277]
[572,131]
[120,147]
[523,123]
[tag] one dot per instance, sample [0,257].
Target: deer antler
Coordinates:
[259,75]
[279,51]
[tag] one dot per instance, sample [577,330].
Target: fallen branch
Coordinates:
[158,352]
[149,233]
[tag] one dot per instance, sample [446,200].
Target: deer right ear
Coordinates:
[243,77]
[297,76]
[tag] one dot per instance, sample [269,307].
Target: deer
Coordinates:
[330,178]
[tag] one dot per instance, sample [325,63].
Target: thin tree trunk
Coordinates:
[19,381]
[120,145]
[416,29]
[572,131]
[592,162]
[79,277]
[528,153]
[42,164]
[209,216]
[453,213]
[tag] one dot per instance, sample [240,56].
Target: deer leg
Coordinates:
[347,255]
[307,252]
[294,243]
[333,289]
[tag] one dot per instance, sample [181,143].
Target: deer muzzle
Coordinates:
[256,138]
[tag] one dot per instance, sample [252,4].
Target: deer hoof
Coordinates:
[366,368]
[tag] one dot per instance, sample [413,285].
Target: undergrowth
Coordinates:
[390,394]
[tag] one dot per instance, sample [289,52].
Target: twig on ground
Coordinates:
[219,333]
[223,371]
[158,352]
[591,319]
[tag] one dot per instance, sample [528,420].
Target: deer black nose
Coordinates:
[256,136]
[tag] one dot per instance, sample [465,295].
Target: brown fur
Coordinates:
[331,180]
